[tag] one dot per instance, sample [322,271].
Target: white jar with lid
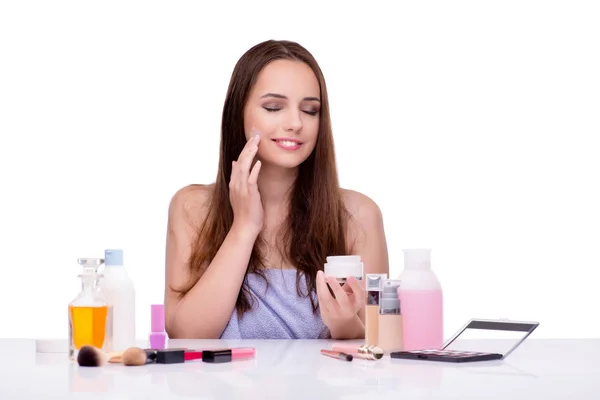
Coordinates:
[342,267]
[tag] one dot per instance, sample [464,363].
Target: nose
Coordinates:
[293,122]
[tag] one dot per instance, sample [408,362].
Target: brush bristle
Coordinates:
[134,356]
[349,357]
[90,356]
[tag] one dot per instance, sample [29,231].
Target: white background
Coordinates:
[473,124]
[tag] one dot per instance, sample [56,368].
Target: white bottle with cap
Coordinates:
[119,291]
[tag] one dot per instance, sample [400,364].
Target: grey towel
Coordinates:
[278,312]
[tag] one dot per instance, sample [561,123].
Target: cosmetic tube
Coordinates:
[374,286]
[390,318]
[365,352]
[228,355]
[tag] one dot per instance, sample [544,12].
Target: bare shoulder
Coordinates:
[366,233]
[365,223]
[361,207]
[190,204]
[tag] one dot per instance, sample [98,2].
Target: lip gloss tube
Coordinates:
[178,356]
[227,355]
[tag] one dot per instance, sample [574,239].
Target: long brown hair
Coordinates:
[316,223]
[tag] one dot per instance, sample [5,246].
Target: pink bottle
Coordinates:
[421,302]
[158,336]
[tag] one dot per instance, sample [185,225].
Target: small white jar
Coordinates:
[342,267]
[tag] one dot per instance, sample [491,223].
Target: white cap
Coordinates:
[344,259]
[417,258]
[344,266]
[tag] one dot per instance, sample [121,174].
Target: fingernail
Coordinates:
[254,132]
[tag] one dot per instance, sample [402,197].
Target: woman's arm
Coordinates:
[205,310]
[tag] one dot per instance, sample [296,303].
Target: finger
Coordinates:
[247,155]
[357,289]
[340,296]
[353,285]
[236,177]
[323,295]
[253,178]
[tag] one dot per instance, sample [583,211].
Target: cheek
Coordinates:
[262,150]
[312,130]
[255,120]
[252,120]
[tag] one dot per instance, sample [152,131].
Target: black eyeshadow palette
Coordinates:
[516,330]
[446,355]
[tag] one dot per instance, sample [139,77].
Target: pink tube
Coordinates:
[243,352]
[227,355]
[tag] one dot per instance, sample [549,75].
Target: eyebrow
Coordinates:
[280,96]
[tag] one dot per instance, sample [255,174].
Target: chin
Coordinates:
[289,163]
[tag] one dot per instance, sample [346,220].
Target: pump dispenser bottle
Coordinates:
[374,285]
[390,318]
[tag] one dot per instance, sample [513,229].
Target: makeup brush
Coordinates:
[90,356]
[135,356]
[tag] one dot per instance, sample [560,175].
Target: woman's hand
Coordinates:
[340,313]
[248,213]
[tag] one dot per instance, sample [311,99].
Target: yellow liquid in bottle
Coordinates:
[88,326]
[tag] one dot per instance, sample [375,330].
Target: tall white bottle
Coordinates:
[119,292]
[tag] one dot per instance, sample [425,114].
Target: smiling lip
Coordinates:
[288,143]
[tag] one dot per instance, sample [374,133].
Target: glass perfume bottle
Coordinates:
[88,312]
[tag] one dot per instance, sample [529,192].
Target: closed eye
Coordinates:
[269,109]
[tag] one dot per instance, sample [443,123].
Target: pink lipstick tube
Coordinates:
[158,336]
[227,355]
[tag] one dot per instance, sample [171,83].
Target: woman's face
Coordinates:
[283,106]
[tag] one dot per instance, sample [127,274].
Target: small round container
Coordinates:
[342,267]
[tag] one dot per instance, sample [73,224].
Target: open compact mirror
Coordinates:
[477,340]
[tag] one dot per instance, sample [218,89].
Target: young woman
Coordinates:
[244,255]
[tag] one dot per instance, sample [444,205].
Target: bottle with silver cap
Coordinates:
[390,318]
[374,285]
[88,312]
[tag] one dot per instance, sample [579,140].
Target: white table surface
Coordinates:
[538,369]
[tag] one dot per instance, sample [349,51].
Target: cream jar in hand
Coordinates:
[343,267]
